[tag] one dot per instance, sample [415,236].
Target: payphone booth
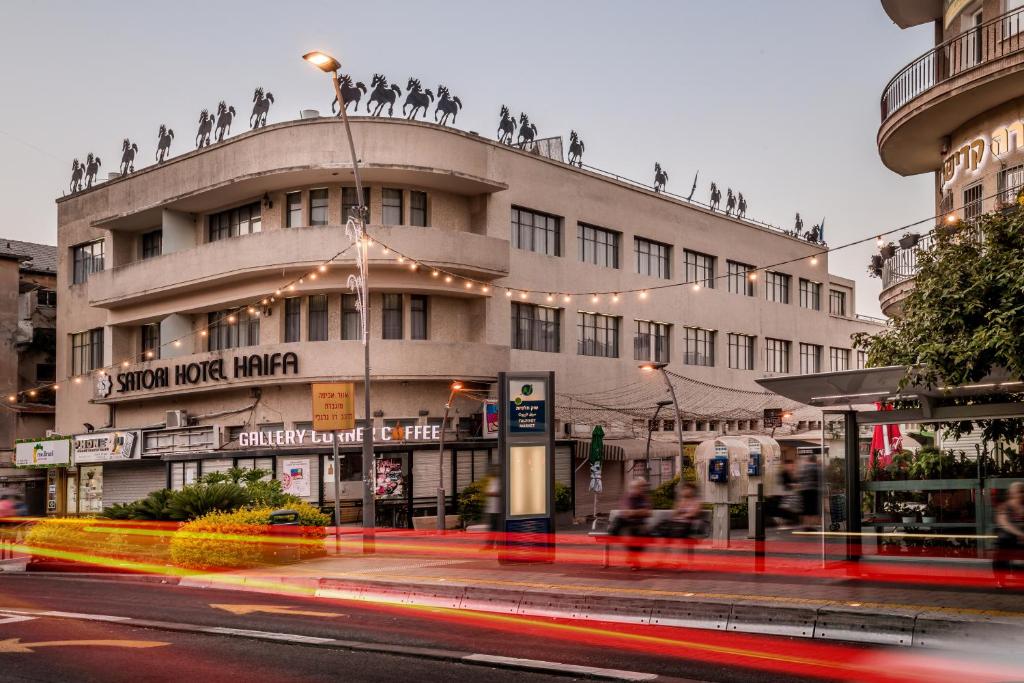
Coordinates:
[526,447]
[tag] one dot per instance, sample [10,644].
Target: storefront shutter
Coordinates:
[127,483]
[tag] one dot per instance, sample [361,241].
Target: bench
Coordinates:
[656,517]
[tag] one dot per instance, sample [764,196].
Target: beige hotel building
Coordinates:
[154,265]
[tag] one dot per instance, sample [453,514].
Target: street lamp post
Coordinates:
[660,367]
[650,430]
[356,230]
[455,388]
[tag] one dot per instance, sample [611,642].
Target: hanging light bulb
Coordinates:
[78,380]
[124,364]
[323,268]
[277,292]
[32,393]
[435,273]
[448,278]
[551,297]
[413,266]
[753,275]
[177,342]
[469,285]
[951,218]
[251,310]
[202,333]
[615,298]
[291,288]
[401,259]
[302,280]
[566,298]
[814,260]
[231,319]
[878,241]
[594,298]
[508,293]
[696,287]
[312,276]
[386,252]
[643,294]
[56,387]
[265,302]
[12,398]
[522,295]
[149,354]
[485,289]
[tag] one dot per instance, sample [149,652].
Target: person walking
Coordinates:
[632,519]
[1009,533]
[492,507]
[810,492]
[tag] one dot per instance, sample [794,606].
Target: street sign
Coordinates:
[772,417]
[334,406]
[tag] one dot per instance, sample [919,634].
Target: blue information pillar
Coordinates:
[526,446]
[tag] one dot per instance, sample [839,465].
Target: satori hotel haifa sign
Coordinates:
[333,406]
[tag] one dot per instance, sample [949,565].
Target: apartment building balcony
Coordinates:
[948,86]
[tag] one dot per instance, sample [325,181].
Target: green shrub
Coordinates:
[155,506]
[664,497]
[120,511]
[198,500]
[95,541]
[473,501]
[563,498]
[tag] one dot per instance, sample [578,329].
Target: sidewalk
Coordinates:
[909,605]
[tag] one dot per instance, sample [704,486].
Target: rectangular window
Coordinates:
[292,319]
[392,206]
[810,295]
[839,359]
[152,244]
[972,202]
[652,258]
[776,355]
[392,320]
[651,342]
[418,208]
[150,336]
[318,206]
[46,297]
[741,352]
[776,287]
[349,203]
[293,210]
[810,359]
[86,351]
[699,268]
[351,328]
[418,319]
[241,220]
[598,246]
[739,278]
[534,231]
[231,330]
[862,359]
[317,315]
[837,302]
[86,259]
[1011,182]
[535,328]
[698,346]
[598,335]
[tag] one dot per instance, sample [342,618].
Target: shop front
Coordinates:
[109,469]
[38,484]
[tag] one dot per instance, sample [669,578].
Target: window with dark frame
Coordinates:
[241,220]
[318,206]
[698,346]
[351,328]
[598,246]
[738,274]
[293,319]
[651,342]
[46,297]
[391,206]
[418,317]
[1011,182]
[776,287]
[537,232]
[150,338]
[652,258]
[862,359]
[317,317]
[231,330]
[837,302]
[776,355]
[839,359]
[598,335]
[418,208]
[810,359]
[972,202]
[86,351]
[536,328]
[699,268]
[293,210]
[152,244]
[741,351]
[349,203]
[810,294]
[392,316]
[86,259]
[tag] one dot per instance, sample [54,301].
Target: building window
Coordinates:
[598,335]
[776,287]
[292,319]
[46,297]
[418,316]
[839,358]
[862,359]
[810,295]
[318,206]
[652,258]
[418,208]
[598,246]
[150,336]
[317,317]
[972,202]
[232,330]
[698,346]
[837,302]
[535,328]
[739,278]
[392,321]
[152,244]
[86,259]
[293,210]
[350,203]
[699,268]
[651,342]
[1011,182]
[241,220]
[776,355]
[351,328]
[741,352]
[810,359]
[86,351]
[539,232]
[392,206]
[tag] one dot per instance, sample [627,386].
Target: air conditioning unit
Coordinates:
[176,419]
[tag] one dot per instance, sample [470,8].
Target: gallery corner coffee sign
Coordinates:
[43,452]
[106,446]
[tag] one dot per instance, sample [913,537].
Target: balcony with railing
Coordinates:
[947,86]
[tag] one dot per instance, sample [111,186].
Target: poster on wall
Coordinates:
[106,447]
[295,477]
[42,453]
[390,481]
[90,484]
[526,409]
[491,417]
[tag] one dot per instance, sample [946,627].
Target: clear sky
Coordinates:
[777,99]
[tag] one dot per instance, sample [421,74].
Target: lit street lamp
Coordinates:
[455,388]
[356,230]
[660,367]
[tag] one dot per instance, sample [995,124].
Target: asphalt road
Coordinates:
[266,637]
